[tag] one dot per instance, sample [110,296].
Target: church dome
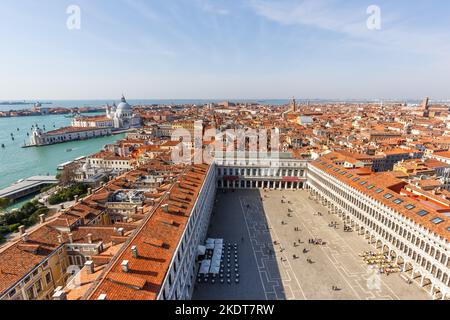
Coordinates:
[123,106]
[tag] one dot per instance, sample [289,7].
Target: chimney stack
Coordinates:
[89,237]
[22,230]
[60,295]
[89,190]
[60,238]
[42,218]
[121,232]
[134,251]
[75,198]
[125,266]
[70,235]
[165,208]
[89,266]
[25,237]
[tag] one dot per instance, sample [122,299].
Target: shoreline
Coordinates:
[113,133]
[57,111]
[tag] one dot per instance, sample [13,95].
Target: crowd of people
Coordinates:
[383,263]
[316,241]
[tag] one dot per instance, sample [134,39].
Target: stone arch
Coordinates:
[393,254]
[408,268]
[416,275]
[436,293]
[379,244]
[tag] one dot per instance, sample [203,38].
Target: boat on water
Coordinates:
[72,114]
[69,150]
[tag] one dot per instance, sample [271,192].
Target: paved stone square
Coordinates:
[256,220]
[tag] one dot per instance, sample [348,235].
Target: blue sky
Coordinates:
[261,49]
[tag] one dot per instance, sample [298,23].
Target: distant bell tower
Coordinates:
[426,107]
[294,105]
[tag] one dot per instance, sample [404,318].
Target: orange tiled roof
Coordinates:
[389,184]
[156,240]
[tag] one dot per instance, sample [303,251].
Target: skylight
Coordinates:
[410,206]
[388,195]
[437,220]
[398,201]
[370,187]
[356,179]
[363,183]
[379,190]
[422,213]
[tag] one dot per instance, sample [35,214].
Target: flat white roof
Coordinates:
[26,184]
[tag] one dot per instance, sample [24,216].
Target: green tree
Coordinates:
[4,203]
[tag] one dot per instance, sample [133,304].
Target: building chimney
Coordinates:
[60,295]
[60,238]
[22,230]
[121,232]
[102,297]
[134,251]
[25,237]
[70,235]
[89,190]
[59,288]
[75,198]
[165,208]
[89,266]
[125,266]
[42,218]
[89,237]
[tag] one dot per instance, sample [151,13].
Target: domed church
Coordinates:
[122,115]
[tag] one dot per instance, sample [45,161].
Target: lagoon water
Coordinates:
[19,163]
[100,103]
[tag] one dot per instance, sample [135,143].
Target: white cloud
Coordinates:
[336,16]
[207,6]
[143,9]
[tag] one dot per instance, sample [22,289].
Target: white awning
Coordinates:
[204,267]
[201,250]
